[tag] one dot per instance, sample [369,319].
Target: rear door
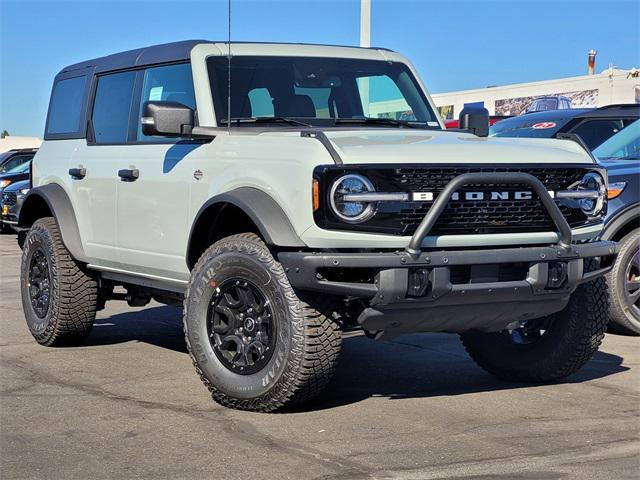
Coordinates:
[97,161]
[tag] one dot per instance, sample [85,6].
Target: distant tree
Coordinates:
[4,134]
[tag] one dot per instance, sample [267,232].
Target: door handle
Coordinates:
[78,173]
[129,175]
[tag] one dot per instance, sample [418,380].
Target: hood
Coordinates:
[391,146]
[14,176]
[15,186]
[617,167]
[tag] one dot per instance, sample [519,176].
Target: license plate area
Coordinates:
[489,273]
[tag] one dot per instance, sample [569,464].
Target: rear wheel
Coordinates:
[58,295]
[624,284]
[255,344]
[548,348]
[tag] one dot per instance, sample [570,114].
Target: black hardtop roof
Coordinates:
[167,52]
[163,53]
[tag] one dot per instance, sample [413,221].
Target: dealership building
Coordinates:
[612,86]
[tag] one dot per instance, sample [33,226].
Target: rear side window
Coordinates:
[112,107]
[66,107]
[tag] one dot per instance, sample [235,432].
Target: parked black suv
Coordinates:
[594,125]
[10,203]
[14,158]
[613,133]
[621,157]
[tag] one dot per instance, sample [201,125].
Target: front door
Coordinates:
[152,206]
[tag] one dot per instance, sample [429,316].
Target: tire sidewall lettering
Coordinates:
[244,264]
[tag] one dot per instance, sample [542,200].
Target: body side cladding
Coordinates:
[273,224]
[62,211]
[620,221]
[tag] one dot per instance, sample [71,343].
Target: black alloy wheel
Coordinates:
[39,283]
[241,327]
[632,282]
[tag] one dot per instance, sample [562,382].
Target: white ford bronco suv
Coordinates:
[284,193]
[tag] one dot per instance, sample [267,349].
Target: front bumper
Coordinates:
[483,298]
[9,214]
[456,290]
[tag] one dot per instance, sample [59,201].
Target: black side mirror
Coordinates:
[167,119]
[475,119]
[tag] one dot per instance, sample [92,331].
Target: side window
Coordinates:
[320,98]
[595,132]
[381,98]
[171,82]
[66,106]
[261,103]
[112,107]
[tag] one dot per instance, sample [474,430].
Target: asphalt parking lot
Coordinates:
[128,404]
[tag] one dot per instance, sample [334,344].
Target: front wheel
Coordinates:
[548,348]
[254,343]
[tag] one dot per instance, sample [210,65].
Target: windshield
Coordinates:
[23,168]
[624,145]
[543,104]
[319,91]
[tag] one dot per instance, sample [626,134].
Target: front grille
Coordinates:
[9,198]
[485,216]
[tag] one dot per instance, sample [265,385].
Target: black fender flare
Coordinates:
[264,212]
[62,211]
[619,220]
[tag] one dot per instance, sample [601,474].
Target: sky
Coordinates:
[455,45]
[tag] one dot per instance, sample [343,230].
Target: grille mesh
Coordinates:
[486,216]
[9,198]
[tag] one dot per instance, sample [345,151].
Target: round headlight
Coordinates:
[593,181]
[348,210]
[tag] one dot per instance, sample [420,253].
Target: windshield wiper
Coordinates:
[241,120]
[378,121]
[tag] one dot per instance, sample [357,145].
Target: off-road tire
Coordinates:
[621,316]
[73,292]
[308,341]
[571,340]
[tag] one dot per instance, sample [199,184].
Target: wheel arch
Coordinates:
[51,200]
[622,223]
[244,209]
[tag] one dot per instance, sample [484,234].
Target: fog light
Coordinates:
[557,274]
[418,282]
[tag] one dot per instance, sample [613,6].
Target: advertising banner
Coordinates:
[551,101]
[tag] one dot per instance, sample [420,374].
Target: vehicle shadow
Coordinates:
[410,366]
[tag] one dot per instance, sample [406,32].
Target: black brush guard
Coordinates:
[448,306]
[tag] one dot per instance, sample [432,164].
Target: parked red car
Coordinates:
[492,119]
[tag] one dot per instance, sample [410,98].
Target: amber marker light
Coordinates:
[316,196]
[615,189]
